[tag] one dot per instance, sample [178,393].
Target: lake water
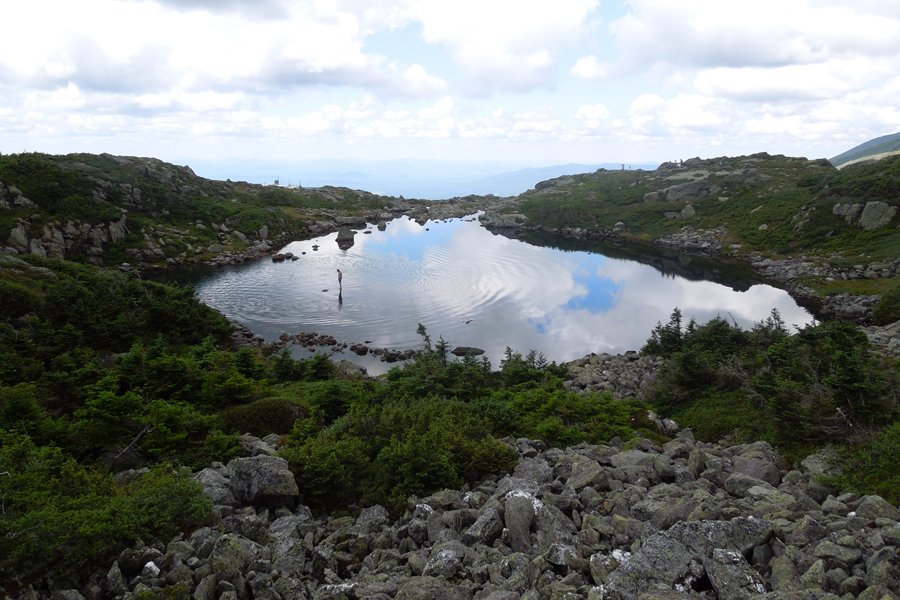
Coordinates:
[475,288]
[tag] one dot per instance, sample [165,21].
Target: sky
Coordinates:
[534,81]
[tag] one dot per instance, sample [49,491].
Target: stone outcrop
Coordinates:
[690,192]
[11,198]
[262,481]
[682,520]
[684,192]
[868,216]
[60,240]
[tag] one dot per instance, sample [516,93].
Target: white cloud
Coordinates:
[536,124]
[813,81]
[706,33]
[95,45]
[590,67]
[442,109]
[817,76]
[395,115]
[645,109]
[687,110]
[593,112]
[504,44]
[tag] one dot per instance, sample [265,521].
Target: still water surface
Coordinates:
[475,288]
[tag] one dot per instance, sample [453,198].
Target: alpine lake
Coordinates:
[559,296]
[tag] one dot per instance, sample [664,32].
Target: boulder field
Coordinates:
[619,521]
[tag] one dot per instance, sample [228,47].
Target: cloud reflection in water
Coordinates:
[563,303]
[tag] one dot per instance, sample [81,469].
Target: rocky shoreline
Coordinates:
[620,521]
[787,273]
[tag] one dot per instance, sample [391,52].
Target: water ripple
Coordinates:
[471,287]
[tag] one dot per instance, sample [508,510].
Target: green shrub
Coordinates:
[85,209]
[17,300]
[718,415]
[260,418]
[811,387]
[63,515]
[888,309]
[562,418]
[870,467]
[317,368]
[385,452]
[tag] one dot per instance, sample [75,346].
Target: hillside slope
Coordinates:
[109,210]
[880,145]
[756,207]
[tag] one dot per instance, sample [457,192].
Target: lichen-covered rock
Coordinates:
[216,485]
[231,555]
[586,472]
[263,480]
[732,577]
[674,558]
[485,530]
[431,588]
[694,190]
[875,215]
[875,507]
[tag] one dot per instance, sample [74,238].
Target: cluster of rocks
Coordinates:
[309,339]
[697,171]
[684,192]
[698,241]
[59,240]
[258,250]
[788,269]
[855,307]
[243,337]
[627,375]
[606,522]
[886,339]
[11,198]
[851,307]
[9,260]
[502,220]
[281,257]
[162,242]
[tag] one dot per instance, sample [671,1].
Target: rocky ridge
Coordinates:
[683,520]
[151,197]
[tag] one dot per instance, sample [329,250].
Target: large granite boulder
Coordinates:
[263,481]
[692,191]
[216,485]
[876,214]
[345,238]
[872,215]
[676,558]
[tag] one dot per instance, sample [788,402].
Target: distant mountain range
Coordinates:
[886,144]
[410,178]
